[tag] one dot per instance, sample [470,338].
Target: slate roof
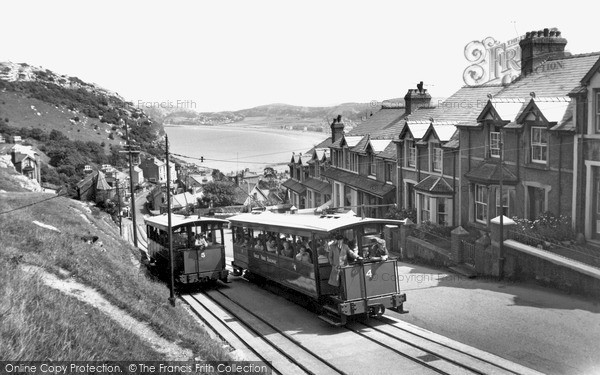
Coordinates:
[434,184]
[101,184]
[382,119]
[294,185]
[318,185]
[360,182]
[324,144]
[565,78]
[490,172]
[389,152]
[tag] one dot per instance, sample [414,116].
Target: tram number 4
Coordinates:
[369,274]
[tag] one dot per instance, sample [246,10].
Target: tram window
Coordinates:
[372,229]
[259,241]
[322,247]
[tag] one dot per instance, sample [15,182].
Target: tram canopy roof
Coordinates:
[307,222]
[162,221]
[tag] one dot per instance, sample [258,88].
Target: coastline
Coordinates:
[241,126]
[229,148]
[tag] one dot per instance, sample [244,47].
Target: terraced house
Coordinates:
[542,127]
[307,186]
[362,172]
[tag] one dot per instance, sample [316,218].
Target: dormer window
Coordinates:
[495,143]
[539,144]
[411,154]
[436,157]
[372,166]
[388,172]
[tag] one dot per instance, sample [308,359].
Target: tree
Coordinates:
[269,172]
[217,175]
[221,193]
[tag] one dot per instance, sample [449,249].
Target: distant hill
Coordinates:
[272,115]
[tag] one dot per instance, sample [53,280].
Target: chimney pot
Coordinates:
[339,118]
[546,32]
[557,33]
[540,33]
[552,33]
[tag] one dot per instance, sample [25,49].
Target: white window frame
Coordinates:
[539,148]
[510,198]
[481,203]
[495,144]
[437,157]
[411,153]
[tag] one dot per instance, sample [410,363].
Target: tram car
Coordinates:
[198,247]
[275,246]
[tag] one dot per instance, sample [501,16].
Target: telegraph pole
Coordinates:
[130,151]
[119,205]
[501,248]
[170,229]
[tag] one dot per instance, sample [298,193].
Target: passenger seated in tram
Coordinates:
[272,245]
[287,250]
[304,255]
[322,253]
[246,243]
[259,243]
[353,248]
[378,250]
[200,241]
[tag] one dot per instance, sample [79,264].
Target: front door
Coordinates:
[537,198]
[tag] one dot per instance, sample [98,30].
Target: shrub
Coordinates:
[396,213]
[547,227]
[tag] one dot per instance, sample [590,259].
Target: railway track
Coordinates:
[258,338]
[419,352]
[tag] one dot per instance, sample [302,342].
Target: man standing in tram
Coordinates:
[339,252]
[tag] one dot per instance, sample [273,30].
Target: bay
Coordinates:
[233,148]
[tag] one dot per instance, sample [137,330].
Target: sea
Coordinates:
[236,148]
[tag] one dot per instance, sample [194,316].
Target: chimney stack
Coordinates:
[539,46]
[416,99]
[337,129]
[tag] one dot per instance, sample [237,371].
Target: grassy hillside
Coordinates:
[72,122]
[40,323]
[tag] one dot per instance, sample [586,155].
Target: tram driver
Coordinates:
[378,250]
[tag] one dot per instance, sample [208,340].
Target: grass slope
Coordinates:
[22,112]
[39,323]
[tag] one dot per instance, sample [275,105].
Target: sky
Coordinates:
[230,55]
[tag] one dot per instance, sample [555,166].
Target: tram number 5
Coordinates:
[369,274]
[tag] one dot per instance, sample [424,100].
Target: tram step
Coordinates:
[331,320]
[331,309]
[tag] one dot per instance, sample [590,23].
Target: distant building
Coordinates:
[95,188]
[15,139]
[154,170]
[25,159]
[138,176]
